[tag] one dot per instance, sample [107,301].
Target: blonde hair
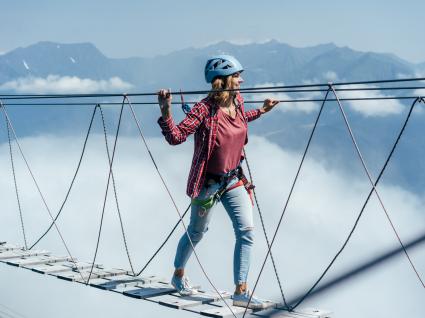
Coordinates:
[217,85]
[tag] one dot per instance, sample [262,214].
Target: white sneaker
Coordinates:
[242,300]
[183,286]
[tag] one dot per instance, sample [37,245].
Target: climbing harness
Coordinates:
[207,203]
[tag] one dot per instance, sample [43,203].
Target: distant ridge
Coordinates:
[271,62]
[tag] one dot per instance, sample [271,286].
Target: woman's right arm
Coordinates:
[176,134]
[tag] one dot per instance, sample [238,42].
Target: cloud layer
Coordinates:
[305,107]
[324,206]
[65,84]
[367,108]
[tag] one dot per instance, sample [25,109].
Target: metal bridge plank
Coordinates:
[20,253]
[126,288]
[54,268]
[150,290]
[8,247]
[24,260]
[49,268]
[220,312]
[122,281]
[100,274]
[37,260]
[81,276]
[179,302]
[198,309]
[280,313]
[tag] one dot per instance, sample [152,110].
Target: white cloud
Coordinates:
[330,76]
[65,84]
[368,108]
[324,206]
[305,107]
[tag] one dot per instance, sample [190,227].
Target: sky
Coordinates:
[148,28]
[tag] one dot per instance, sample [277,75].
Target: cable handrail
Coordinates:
[245,101]
[195,92]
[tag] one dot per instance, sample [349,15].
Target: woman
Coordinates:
[219,123]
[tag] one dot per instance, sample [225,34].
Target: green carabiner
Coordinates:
[206,204]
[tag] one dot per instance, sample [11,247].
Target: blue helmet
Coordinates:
[221,65]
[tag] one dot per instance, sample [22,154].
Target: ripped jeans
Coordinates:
[239,208]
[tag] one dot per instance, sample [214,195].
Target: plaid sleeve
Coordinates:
[176,134]
[252,114]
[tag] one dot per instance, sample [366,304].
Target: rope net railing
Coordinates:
[307,88]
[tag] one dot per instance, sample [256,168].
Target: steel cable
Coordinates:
[288,198]
[373,186]
[72,181]
[196,92]
[363,207]
[163,243]
[265,234]
[2,107]
[106,191]
[303,100]
[16,186]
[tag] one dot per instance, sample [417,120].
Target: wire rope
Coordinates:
[265,235]
[363,207]
[196,92]
[111,161]
[373,186]
[304,100]
[288,198]
[16,186]
[2,107]
[72,181]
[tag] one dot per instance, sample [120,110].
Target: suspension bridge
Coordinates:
[213,302]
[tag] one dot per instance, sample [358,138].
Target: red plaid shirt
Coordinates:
[202,120]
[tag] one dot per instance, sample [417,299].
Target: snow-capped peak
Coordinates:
[26,65]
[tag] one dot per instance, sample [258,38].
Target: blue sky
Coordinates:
[146,28]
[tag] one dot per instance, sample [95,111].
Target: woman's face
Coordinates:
[236,81]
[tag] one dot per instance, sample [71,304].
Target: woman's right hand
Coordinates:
[164,100]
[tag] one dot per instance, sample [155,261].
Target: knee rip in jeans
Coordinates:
[203,211]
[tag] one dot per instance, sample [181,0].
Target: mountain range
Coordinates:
[271,62]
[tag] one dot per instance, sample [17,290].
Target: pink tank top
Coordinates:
[231,136]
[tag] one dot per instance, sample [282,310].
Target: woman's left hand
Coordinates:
[268,105]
